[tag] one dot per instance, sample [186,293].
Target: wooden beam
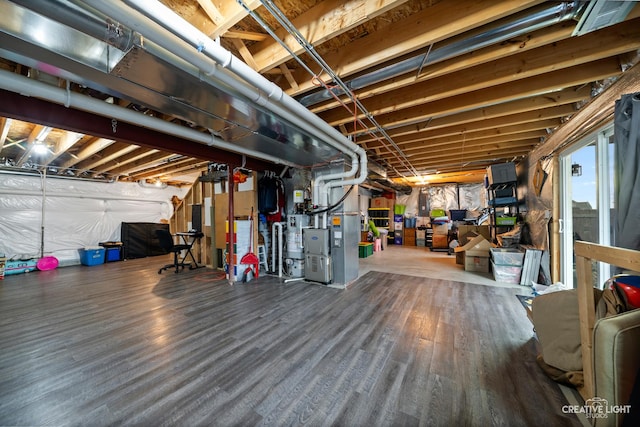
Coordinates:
[463,62]
[5,125]
[33,135]
[504,150]
[152,159]
[458,134]
[418,151]
[533,108]
[68,140]
[244,52]
[416,32]
[469,177]
[461,163]
[287,74]
[245,35]
[592,116]
[134,155]
[212,11]
[89,149]
[110,153]
[322,22]
[233,13]
[531,86]
[169,169]
[564,54]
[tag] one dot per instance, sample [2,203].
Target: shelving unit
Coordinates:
[382,218]
[503,199]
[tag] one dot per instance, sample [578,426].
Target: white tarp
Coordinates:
[77,214]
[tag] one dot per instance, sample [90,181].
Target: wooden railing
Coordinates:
[586,253]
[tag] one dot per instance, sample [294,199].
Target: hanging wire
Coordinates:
[308,47]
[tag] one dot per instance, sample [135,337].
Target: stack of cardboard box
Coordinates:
[475,254]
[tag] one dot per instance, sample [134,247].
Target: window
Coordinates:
[587,198]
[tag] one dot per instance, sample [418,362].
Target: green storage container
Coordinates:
[506,220]
[365,249]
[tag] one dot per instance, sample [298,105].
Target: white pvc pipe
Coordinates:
[76,196]
[205,45]
[276,243]
[25,86]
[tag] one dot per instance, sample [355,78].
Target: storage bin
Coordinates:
[435,213]
[506,273]
[410,222]
[17,266]
[92,256]
[113,251]
[457,214]
[397,240]
[506,220]
[112,254]
[507,256]
[501,173]
[365,249]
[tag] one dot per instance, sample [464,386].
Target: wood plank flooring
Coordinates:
[118,344]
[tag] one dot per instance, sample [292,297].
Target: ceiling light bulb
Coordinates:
[39,148]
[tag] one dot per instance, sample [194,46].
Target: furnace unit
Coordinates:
[317,255]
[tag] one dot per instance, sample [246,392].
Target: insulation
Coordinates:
[77,214]
[444,197]
[473,197]
[539,203]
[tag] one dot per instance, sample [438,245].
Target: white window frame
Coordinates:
[601,139]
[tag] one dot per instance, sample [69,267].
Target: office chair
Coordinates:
[166,242]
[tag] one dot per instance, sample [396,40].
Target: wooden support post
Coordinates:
[586,254]
[555,220]
[587,312]
[214,249]
[231,219]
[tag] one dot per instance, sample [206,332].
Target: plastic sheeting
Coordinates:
[539,203]
[411,203]
[473,197]
[443,197]
[627,145]
[77,214]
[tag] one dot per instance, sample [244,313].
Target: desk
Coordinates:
[189,238]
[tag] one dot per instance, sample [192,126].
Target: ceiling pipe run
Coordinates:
[203,46]
[26,86]
[206,95]
[542,16]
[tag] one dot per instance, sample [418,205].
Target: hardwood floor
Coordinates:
[118,344]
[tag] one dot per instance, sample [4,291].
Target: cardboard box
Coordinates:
[440,241]
[440,229]
[381,202]
[476,263]
[475,254]
[478,246]
[482,230]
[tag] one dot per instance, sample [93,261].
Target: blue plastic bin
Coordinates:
[92,256]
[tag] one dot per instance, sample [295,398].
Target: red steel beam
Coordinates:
[30,109]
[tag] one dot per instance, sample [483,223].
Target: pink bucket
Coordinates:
[47,263]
